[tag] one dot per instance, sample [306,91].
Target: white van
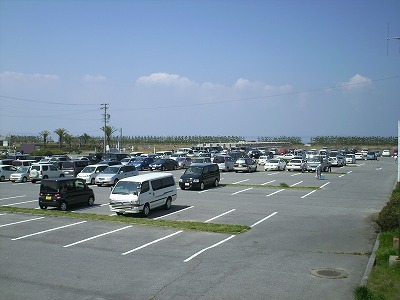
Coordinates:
[142,193]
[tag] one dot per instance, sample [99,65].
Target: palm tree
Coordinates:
[61,132]
[108,131]
[85,137]
[44,135]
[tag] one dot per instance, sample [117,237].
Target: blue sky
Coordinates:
[248,68]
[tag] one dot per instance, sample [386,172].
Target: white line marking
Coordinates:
[241,191]
[296,183]
[203,191]
[40,232]
[96,236]
[205,249]
[275,192]
[175,212]
[324,185]
[12,197]
[342,175]
[268,182]
[296,174]
[104,204]
[308,194]
[153,242]
[262,220]
[225,213]
[9,224]
[349,172]
[273,173]
[240,181]
[12,204]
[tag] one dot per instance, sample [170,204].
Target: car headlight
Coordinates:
[180,180]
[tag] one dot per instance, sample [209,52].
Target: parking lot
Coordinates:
[298,224]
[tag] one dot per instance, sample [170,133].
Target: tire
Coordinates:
[24,179]
[2,178]
[45,176]
[146,210]
[119,213]
[43,206]
[115,181]
[63,206]
[202,185]
[182,187]
[99,185]
[92,182]
[168,203]
[90,201]
[33,180]
[62,175]
[162,168]
[216,183]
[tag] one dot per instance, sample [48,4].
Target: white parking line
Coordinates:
[275,192]
[12,204]
[175,212]
[342,175]
[295,174]
[268,182]
[40,232]
[273,173]
[225,213]
[210,247]
[296,183]
[12,197]
[96,236]
[351,171]
[324,185]
[9,224]
[240,181]
[241,191]
[308,194]
[262,220]
[153,242]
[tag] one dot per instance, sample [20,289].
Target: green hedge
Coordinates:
[388,218]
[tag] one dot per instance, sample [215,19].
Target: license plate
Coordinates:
[48,197]
[187,184]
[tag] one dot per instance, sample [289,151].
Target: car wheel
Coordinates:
[146,210]
[33,180]
[45,176]
[115,181]
[176,168]
[43,206]
[119,213]
[91,201]
[92,181]
[202,185]
[168,203]
[162,168]
[216,182]
[61,175]
[63,206]
[2,178]
[24,179]
[182,187]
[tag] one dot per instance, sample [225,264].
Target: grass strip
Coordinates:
[182,225]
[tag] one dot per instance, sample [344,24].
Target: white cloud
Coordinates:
[94,78]
[165,79]
[21,76]
[356,82]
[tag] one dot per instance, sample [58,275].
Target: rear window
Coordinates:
[49,187]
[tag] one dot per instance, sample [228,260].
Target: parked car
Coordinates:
[164,164]
[262,160]
[245,164]
[73,167]
[296,164]
[225,162]
[350,158]
[386,153]
[142,163]
[315,161]
[21,175]
[127,160]
[44,171]
[184,162]
[371,155]
[198,176]
[112,174]
[64,192]
[201,160]
[359,156]
[90,172]
[275,164]
[287,157]
[6,171]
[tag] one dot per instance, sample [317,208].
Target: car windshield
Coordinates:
[313,159]
[23,169]
[139,159]
[160,161]
[193,170]
[88,169]
[126,188]
[111,170]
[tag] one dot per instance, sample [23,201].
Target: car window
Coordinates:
[145,187]
[79,185]
[45,168]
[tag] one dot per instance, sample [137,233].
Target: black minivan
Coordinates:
[197,176]
[63,192]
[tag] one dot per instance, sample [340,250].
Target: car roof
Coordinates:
[61,179]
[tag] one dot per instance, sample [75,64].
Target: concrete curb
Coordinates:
[371,262]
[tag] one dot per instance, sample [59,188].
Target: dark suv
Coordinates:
[63,192]
[197,176]
[73,167]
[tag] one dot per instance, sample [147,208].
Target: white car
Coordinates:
[386,153]
[112,174]
[90,172]
[44,171]
[262,160]
[350,158]
[21,175]
[275,164]
[359,156]
[6,171]
[297,165]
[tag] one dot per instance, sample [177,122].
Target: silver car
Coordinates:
[112,174]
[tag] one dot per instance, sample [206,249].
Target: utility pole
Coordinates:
[106,117]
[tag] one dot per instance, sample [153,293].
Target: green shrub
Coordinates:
[388,218]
